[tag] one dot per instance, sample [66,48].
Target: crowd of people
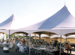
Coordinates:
[20,44]
[55,46]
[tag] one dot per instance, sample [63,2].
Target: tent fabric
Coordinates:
[4,31]
[7,24]
[62,21]
[7,21]
[10,24]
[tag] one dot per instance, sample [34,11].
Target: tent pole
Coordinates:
[14,35]
[46,39]
[49,38]
[9,35]
[39,37]
[34,37]
[29,42]
[3,35]
[66,38]
[60,44]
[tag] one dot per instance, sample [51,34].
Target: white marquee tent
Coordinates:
[9,24]
[6,25]
[61,23]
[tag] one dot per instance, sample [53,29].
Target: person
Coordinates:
[32,45]
[64,43]
[68,43]
[4,43]
[16,42]
[68,47]
[27,49]
[55,43]
[21,48]
[18,46]
[56,50]
[13,41]
[50,47]
[2,40]
[47,46]
[5,46]
[11,45]
[52,41]
[20,39]
[24,41]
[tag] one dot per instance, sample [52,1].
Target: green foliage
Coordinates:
[11,35]
[18,36]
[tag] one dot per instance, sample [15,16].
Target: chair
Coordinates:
[49,53]
[38,52]
[32,51]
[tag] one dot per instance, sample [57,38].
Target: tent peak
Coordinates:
[64,2]
[10,19]
[13,14]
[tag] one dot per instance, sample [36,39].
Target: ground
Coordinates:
[11,52]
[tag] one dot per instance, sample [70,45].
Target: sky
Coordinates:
[33,11]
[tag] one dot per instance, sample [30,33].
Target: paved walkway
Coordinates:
[11,52]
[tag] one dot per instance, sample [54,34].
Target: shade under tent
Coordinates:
[60,23]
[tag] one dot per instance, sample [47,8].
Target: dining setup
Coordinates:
[48,49]
[57,24]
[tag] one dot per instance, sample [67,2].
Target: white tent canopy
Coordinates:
[4,31]
[61,23]
[71,36]
[8,24]
[57,36]
[12,23]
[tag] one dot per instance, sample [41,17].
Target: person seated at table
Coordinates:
[47,46]
[52,41]
[56,50]
[4,43]
[50,46]
[68,47]
[69,43]
[11,45]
